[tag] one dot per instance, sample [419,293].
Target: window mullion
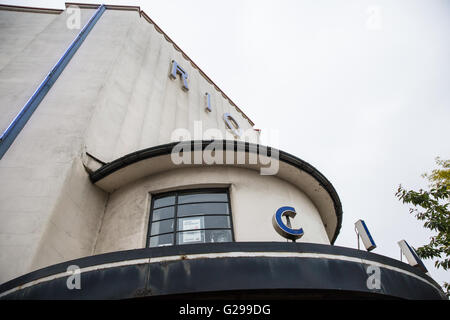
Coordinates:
[175,220]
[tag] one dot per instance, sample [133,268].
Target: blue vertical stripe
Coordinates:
[13,130]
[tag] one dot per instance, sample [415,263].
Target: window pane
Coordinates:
[188,237]
[162,227]
[163,240]
[218,236]
[202,197]
[163,213]
[202,236]
[193,223]
[165,201]
[202,208]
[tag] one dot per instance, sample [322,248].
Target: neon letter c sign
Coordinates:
[281,228]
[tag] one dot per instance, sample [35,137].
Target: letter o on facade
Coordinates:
[232,124]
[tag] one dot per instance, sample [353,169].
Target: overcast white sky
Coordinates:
[359,89]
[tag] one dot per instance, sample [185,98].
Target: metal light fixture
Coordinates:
[363,233]
[411,256]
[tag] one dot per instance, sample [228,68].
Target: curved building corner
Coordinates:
[99,202]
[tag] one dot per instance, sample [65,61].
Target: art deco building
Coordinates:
[99,200]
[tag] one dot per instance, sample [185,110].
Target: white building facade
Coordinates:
[94,103]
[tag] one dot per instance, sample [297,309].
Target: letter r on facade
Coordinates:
[176,69]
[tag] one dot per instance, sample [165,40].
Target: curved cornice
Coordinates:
[117,167]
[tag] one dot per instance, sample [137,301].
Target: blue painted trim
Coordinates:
[13,130]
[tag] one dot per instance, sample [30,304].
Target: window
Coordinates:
[191,216]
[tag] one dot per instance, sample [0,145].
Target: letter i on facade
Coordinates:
[208,102]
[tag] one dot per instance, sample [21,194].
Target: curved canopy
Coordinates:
[301,174]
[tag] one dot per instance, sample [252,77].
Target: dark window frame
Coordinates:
[177,193]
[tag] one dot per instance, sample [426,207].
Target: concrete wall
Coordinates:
[254,199]
[139,106]
[35,171]
[30,45]
[114,97]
